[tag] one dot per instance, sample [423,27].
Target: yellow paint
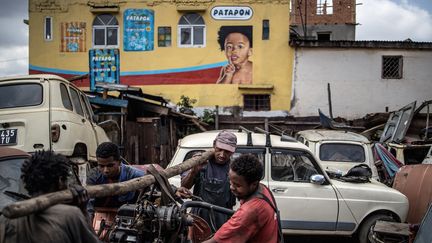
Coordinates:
[272,59]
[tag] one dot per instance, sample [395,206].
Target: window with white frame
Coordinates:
[48,35]
[191,31]
[105,31]
[324,7]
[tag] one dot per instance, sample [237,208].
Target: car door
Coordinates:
[302,204]
[83,128]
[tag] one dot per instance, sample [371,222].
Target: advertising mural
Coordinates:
[236,43]
[73,37]
[138,28]
[104,66]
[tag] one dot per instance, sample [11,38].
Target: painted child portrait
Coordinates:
[236,42]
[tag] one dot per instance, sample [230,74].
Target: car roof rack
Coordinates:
[249,135]
[284,137]
[268,142]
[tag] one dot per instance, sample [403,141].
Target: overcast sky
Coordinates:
[377,19]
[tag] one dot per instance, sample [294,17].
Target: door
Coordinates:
[303,205]
[80,128]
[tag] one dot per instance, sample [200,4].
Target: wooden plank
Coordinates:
[146,119]
[392,228]
[40,203]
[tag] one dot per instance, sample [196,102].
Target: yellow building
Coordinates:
[170,47]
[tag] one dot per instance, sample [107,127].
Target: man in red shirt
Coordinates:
[257,219]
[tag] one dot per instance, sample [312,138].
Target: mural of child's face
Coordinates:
[237,48]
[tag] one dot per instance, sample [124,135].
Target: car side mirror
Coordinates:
[317,179]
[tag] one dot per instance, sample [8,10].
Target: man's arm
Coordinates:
[210,241]
[189,179]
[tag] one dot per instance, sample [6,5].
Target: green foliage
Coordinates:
[186,104]
[208,116]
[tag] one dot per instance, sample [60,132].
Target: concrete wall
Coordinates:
[355,78]
[338,32]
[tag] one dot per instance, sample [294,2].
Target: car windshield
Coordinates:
[20,95]
[341,152]
[10,172]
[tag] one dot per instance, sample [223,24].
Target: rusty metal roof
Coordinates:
[372,44]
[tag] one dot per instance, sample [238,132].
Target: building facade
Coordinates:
[360,77]
[219,52]
[324,19]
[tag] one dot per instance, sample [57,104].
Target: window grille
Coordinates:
[164,36]
[256,102]
[392,67]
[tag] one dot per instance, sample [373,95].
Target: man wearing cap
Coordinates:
[211,181]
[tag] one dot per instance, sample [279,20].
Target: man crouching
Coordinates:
[257,218]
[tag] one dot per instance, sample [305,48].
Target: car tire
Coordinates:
[365,231]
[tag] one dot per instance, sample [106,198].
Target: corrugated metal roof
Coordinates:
[377,44]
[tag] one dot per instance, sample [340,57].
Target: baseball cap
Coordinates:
[226,140]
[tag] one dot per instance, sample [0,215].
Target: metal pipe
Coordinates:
[330,100]
[198,204]
[427,123]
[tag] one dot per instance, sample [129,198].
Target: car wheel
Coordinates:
[366,229]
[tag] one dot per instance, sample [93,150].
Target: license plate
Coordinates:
[8,136]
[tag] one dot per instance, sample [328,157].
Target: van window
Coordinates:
[76,102]
[300,139]
[20,95]
[342,152]
[290,165]
[67,103]
[86,111]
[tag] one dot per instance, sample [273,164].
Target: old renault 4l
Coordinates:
[339,150]
[310,201]
[48,112]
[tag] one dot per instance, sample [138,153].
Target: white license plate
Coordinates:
[8,136]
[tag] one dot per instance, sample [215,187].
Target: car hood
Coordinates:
[373,190]
[338,167]
[365,198]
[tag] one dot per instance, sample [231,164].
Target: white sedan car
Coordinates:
[309,201]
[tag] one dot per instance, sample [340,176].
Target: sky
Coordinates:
[377,20]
